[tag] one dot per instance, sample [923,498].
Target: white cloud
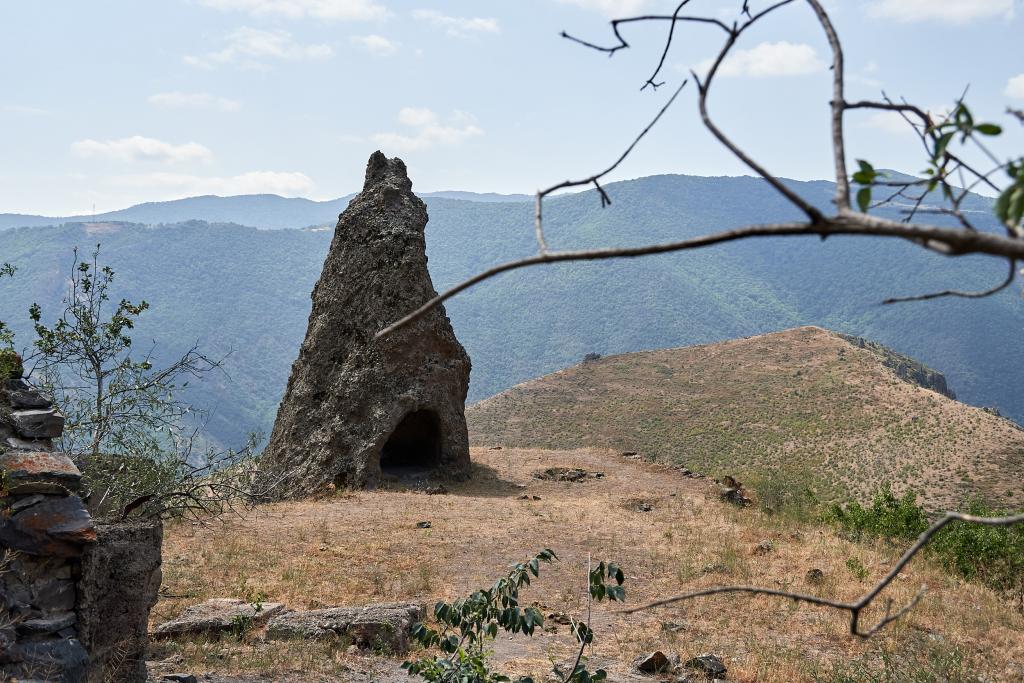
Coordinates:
[25,111]
[428,130]
[1015,87]
[350,10]
[199,100]
[947,11]
[611,8]
[248,46]
[457,26]
[768,59]
[139,148]
[887,121]
[376,45]
[175,185]
[893,122]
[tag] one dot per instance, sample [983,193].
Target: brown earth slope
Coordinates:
[804,404]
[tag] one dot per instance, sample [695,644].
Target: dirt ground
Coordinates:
[359,547]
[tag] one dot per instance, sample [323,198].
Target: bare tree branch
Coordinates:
[946,241]
[595,179]
[959,293]
[838,107]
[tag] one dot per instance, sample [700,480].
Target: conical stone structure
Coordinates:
[357,408]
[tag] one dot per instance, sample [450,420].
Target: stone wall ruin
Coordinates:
[74,595]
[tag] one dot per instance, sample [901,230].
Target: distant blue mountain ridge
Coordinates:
[243,290]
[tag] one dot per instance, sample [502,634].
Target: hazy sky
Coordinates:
[114,102]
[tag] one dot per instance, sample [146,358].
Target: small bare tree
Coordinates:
[948,181]
[126,425]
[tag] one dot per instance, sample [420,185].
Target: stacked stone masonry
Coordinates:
[54,579]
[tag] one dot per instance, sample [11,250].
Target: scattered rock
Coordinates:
[218,615]
[764,547]
[730,482]
[423,525]
[570,474]
[652,663]
[382,627]
[732,491]
[638,505]
[179,678]
[815,576]
[708,664]
[673,626]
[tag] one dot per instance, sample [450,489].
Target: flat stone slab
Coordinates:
[10,441]
[55,526]
[38,424]
[27,397]
[40,472]
[218,615]
[383,626]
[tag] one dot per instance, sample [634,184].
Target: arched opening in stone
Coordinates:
[415,445]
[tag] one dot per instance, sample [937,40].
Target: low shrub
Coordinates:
[888,517]
[993,555]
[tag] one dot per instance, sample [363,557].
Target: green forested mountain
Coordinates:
[245,291]
[266,211]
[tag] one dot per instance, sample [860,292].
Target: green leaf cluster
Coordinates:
[993,555]
[1010,204]
[464,627]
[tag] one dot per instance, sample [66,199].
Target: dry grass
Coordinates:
[804,400]
[363,547]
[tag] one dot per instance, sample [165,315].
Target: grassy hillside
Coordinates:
[246,291]
[804,404]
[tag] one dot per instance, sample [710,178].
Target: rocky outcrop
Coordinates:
[907,369]
[357,407]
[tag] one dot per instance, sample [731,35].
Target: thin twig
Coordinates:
[946,241]
[959,293]
[594,179]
